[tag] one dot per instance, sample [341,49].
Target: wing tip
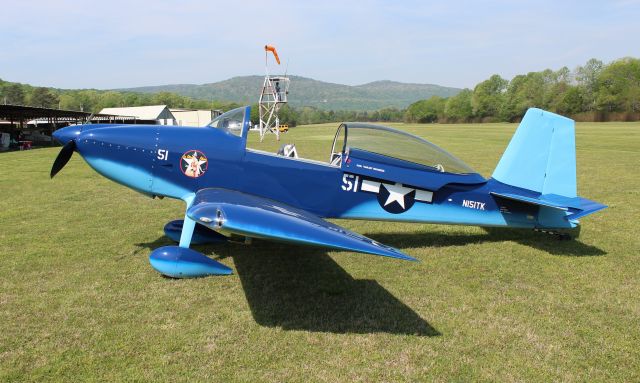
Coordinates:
[408,258]
[397,254]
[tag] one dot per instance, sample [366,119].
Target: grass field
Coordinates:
[79,301]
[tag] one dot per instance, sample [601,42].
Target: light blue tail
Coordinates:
[541,155]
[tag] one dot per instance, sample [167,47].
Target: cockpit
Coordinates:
[233,121]
[386,145]
[354,140]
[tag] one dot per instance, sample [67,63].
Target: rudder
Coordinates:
[541,155]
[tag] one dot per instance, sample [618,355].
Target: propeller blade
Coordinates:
[63,157]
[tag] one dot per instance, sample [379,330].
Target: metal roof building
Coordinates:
[153,114]
[21,114]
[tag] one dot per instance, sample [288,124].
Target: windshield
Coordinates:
[404,146]
[232,121]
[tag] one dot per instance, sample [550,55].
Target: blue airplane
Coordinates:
[373,173]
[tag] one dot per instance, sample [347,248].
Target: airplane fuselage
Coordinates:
[176,162]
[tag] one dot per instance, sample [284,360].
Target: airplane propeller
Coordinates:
[63,157]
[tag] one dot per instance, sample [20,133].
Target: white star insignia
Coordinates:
[397,193]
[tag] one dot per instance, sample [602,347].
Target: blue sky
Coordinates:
[113,43]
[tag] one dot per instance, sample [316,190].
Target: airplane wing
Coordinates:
[252,216]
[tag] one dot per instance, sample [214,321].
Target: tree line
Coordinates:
[92,100]
[594,92]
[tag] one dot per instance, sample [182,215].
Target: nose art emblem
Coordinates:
[193,163]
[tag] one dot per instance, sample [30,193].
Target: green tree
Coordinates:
[524,92]
[287,115]
[425,111]
[458,107]
[587,77]
[131,99]
[44,98]
[110,99]
[88,100]
[558,83]
[543,90]
[167,98]
[619,86]
[514,103]
[572,101]
[488,96]
[13,94]
[255,114]
[68,101]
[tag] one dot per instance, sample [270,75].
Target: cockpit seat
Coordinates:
[288,150]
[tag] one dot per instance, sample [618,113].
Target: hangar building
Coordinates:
[162,115]
[153,114]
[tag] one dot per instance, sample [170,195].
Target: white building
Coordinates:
[194,117]
[153,114]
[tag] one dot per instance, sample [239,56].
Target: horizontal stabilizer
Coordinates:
[252,216]
[577,207]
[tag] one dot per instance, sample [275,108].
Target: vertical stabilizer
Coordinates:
[541,155]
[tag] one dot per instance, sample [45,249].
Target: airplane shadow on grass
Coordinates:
[298,289]
[302,288]
[526,237]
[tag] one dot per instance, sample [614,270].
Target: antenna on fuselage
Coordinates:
[273,95]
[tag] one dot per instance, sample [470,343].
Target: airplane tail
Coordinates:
[541,157]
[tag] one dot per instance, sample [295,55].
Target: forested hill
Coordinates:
[593,92]
[309,92]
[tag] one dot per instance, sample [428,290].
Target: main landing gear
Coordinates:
[562,234]
[183,262]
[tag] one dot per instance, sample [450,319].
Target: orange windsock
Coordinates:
[272,49]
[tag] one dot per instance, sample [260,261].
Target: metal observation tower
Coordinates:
[273,95]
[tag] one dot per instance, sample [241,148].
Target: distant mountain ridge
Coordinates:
[309,92]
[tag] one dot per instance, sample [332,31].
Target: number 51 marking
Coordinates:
[350,182]
[163,154]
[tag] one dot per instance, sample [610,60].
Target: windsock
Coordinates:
[272,49]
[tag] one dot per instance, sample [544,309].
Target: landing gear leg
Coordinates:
[181,261]
[187,232]
[201,235]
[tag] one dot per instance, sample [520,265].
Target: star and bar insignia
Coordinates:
[396,198]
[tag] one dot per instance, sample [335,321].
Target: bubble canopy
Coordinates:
[233,121]
[398,145]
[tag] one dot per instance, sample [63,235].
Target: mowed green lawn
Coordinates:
[79,300]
